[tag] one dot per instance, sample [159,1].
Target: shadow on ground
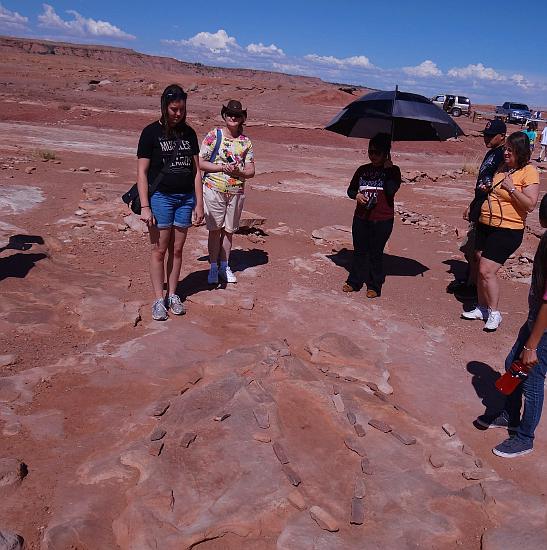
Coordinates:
[240,260]
[394,266]
[484,378]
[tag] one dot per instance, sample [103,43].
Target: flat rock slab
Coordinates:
[155,448]
[159,409]
[262,437]
[293,477]
[479,474]
[262,418]
[366,467]
[297,500]
[359,430]
[404,439]
[338,403]
[157,434]
[436,461]
[379,425]
[359,489]
[249,220]
[323,519]
[352,419]
[280,453]
[354,445]
[188,439]
[357,511]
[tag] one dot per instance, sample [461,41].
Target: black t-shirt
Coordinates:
[155,146]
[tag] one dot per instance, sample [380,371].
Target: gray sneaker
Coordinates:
[175,305]
[489,422]
[159,311]
[512,447]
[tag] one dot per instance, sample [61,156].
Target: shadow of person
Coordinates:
[22,242]
[467,296]
[395,266]
[484,379]
[18,265]
[240,260]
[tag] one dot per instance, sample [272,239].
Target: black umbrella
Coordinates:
[405,116]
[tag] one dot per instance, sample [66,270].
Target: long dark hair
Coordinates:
[520,144]
[539,273]
[173,92]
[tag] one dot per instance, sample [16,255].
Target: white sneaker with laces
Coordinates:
[493,322]
[480,313]
[227,274]
[212,277]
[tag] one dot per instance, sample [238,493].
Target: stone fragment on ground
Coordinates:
[355,445]
[12,471]
[249,220]
[292,476]
[338,403]
[157,434]
[359,489]
[262,417]
[159,409]
[297,500]
[379,425]
[188,438]
[403,438]
[366,467]
[156,447]
[323,519]
[10,540]
[359,430]
[280,453]
[262,437]
[357,511]
[449,430]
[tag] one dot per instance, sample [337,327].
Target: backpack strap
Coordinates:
[217,145]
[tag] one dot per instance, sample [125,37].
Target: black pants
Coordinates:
[369,241]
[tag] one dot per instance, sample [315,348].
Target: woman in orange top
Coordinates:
[513,194]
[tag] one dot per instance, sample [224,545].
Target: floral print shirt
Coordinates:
[238,150]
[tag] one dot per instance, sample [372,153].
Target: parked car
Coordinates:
[456,105]
[514,112]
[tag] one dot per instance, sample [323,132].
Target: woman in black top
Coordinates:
[373,187]
[168,160]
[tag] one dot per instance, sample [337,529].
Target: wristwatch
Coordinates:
[511,191]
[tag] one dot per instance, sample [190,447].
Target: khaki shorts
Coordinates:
[222,210]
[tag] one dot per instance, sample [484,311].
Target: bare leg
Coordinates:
[214,245]
[174,259]
[488,284]
[159,240]
[226,246]
[474,261]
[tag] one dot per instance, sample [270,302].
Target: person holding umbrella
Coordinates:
[373,187]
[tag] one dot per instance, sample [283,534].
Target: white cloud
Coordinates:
[425,69]
[290,68]
[12,20]
[261,49]
[521,81]
[215,42]
[355,61]
[478,71]
[79,25]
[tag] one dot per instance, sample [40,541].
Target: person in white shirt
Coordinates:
[543,144]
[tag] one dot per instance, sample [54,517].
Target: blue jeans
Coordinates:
[532,388]
[172,209]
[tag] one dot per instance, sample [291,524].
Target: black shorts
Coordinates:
[497,243]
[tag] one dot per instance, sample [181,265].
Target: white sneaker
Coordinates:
[480,313]
[212,277]
[493,322]
[227,274]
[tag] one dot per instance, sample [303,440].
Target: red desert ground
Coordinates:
[278,413]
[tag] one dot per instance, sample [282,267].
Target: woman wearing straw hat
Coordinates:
[227,160]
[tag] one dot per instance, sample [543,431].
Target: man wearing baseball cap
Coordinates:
[494,139]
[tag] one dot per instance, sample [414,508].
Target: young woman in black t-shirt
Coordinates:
[168,154]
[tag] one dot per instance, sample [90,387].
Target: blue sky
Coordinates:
[492,52]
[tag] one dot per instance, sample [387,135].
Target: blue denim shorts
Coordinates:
[172,209]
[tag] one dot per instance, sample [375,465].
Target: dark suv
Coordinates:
[456,105]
